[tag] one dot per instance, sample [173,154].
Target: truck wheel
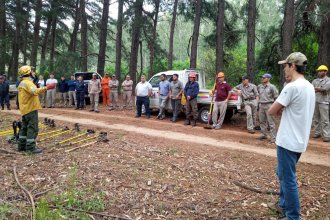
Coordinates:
[229,114]
[203,114]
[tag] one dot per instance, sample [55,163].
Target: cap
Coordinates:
[245,77]
[267,75]
[322,68]
[94,74]
[297,58]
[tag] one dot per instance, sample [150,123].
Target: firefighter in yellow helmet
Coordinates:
[29,106]
[321,112]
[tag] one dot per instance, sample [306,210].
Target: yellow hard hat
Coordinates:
[221,74]
[322,68]
[25,70]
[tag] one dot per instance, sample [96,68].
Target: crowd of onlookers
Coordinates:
[71,93]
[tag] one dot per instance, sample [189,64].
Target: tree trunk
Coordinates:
[52,44]
[73,37]
[170,49]
[251,27]
[2,36]
[25,32]
[83,31]
[119,36]
[153,39]
[17,41]
[136,29]
[36,31]
[103,37]
[44,46]
[220,36]
[324,42]
[194,43]
[287,33]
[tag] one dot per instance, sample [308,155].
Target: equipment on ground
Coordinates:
[102,137]
[65,130]
[89,131]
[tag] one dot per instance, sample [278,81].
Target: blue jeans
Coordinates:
[142,100]
[80,96]
[286,172]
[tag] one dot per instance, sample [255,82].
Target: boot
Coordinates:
[193,123]
[2,107]
[36,151]
[187,122]
[8,107]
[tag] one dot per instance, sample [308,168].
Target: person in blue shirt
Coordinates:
[63,88]
[72,93]
[190,92]
[164,91]
[80,93]
[4,92]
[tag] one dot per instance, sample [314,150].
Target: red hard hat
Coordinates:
[193,75]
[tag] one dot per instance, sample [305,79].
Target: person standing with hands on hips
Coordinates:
[296,104]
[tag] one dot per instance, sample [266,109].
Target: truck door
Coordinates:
[154,99]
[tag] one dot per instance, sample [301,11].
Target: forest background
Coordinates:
[150,36]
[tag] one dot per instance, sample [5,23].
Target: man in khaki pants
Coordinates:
[222,95]
[127,92]
[94,89]
[51,93]
[267,95]
[113,84]
[321,113]
[250,96]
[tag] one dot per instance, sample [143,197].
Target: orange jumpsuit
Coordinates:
[105,90]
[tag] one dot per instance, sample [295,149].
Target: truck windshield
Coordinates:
[154,81]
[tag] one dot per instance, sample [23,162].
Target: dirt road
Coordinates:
[318,152]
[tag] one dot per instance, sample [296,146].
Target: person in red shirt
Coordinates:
[222,94]
[105,89]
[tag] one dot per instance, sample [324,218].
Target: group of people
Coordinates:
[72,92]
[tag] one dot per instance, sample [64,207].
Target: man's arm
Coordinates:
[275,109]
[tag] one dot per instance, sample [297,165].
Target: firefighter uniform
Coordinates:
[28,98]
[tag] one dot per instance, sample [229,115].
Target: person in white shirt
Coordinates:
[51,93]
[296,104]
[42,97]
[143,92]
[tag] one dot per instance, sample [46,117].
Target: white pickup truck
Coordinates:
[204,99]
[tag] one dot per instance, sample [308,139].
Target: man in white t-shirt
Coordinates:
[296,104]
[143,92]
[51,93]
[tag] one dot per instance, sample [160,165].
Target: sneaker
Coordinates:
[91,110]
[217,127]
[251,131]
[214,126]
[137,116]
[316,135]
[162,117]
[262,137]
[326,139]
[275,207]
[97,111]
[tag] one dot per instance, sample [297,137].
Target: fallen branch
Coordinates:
[26,192]
[7,151]
[90,212]
[256,190]
[44,192]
